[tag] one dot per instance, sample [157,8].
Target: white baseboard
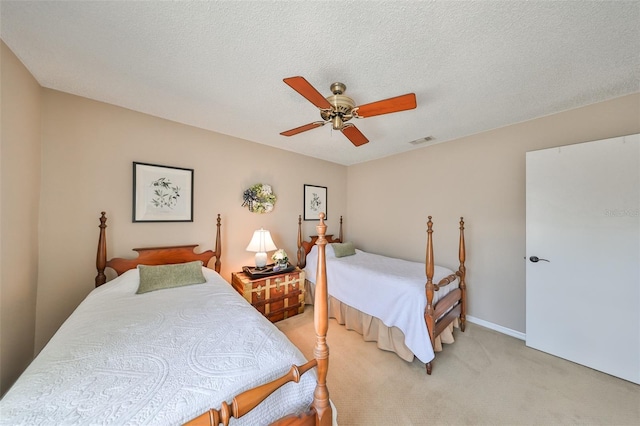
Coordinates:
[496,327]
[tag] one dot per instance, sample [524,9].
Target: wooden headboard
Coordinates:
[304,247]
[152,255]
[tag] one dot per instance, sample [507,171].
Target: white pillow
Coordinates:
[313,253]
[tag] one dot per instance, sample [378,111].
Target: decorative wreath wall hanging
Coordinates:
[259,198]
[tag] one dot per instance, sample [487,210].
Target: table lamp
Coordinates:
[261,243]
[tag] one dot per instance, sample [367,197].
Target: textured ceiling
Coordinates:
[473,66]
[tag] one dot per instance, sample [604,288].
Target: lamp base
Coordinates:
[261,260]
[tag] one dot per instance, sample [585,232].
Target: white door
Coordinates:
[583,223]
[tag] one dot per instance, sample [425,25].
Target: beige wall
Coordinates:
[88,151]
[480,177]
[19,197]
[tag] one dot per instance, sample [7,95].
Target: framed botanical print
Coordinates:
[162,193]
[315,202]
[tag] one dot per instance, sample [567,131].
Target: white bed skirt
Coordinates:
[373,329]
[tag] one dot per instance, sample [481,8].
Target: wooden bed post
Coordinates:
[340,236]
[462,274]
[321,323]
[101,256]
[429,312]
[302,254]
[218,246]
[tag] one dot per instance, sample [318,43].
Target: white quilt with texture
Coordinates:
[390,289]
[159,358]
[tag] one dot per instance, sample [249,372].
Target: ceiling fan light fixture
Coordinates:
[340,104]
[336,122]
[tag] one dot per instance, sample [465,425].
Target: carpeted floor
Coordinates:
[484,378]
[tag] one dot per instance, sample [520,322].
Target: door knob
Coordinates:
[536,259]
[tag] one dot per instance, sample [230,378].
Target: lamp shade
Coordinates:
[261,243]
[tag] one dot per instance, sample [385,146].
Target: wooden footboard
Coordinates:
[248,400]
[453,306]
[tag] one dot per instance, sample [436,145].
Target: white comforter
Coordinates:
[392,290]
[157,358]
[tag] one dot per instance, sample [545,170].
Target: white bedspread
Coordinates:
[392,290]
[157,358]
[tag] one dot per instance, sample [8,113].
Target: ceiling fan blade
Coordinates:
[399,103]
[302,86]
[303,128]
[354,135]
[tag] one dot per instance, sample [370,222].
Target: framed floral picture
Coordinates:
[315,201]
[162,193]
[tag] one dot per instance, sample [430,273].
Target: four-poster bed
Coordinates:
[145,348]
[407,307]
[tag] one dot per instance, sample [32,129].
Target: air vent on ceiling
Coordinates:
[422,140]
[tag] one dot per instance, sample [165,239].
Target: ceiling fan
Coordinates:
[338,108]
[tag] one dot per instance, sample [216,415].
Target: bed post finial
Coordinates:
[101,256]
[321,229]
[321,322]
[461,248]
[429,259]
[340,234]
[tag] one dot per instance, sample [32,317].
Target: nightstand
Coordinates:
[277,297]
